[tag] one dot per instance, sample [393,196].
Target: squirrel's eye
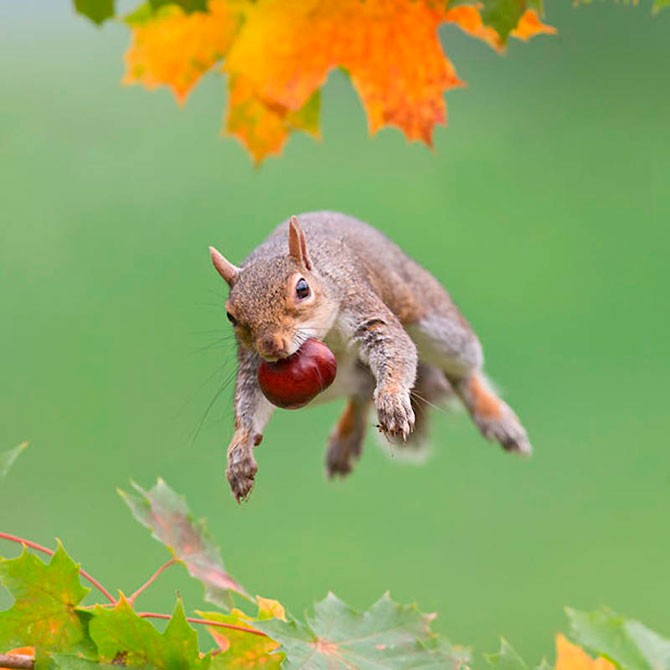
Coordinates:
[302,289]
[231,318]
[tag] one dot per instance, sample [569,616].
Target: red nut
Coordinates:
[292,382]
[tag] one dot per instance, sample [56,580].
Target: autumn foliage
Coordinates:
[62,618]
[277,55]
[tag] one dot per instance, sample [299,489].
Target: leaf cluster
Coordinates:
[53,625]
[277,55]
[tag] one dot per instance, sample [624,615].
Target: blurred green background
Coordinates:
[543,208]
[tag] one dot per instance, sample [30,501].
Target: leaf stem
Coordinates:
[49,552]
[19,661]
[151,580]
[204,622]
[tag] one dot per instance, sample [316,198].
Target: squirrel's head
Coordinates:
[277,303]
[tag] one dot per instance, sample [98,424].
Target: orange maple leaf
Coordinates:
[469,20]
[391,51]
[176,49]
[572,657]
[261,128]
[530,25]
[278,54]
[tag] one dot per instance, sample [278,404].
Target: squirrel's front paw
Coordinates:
[395,413]
[241,472]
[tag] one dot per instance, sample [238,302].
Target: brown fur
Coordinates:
[380,312]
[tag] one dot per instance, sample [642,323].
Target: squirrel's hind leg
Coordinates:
[345,443]
[447,341]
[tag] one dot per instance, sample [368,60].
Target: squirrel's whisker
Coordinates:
[210,405]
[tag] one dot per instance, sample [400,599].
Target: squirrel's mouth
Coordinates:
[274,348]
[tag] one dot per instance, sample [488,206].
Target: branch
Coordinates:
[151,580]
[204,622]
[49,552]
[17,661]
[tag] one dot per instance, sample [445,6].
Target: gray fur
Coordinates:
[383,316]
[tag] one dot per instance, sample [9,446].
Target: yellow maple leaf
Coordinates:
[572,657]
[270,609]
[242,649]
[175,49]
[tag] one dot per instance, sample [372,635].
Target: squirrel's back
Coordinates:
[347,250]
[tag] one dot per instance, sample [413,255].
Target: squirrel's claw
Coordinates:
[395,413]
[241,474]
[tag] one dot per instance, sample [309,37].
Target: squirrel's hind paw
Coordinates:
[506,430]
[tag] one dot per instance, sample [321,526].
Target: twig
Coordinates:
[204,622]
[49,552]
[151,580]
[17,661]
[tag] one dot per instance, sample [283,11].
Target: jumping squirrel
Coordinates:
[400,342]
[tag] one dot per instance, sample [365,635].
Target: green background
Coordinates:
[544,210]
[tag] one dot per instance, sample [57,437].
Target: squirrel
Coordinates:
[399,340]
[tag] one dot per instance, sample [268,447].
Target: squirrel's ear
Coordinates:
[297,243]
[227,270]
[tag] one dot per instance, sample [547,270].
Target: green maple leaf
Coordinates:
[123,638]
[503,15]
[69,662]
[166,514]
[44,613]
[7,459]
[388,635]
[626,642]
[506,658]
[97,11]
[187,5]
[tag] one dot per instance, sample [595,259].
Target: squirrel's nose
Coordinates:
[272,347]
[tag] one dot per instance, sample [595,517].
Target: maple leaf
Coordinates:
[44,613]
[469,19]
[286,48]
[628,643]
[263,130]
[529,25]
[7,459]
[241,649]
[97,11]
[572,657]
[504,15]
[506,658]
[166,514]
[124,638]
[187,5]
[175,48]
[278,54]
[388,635]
